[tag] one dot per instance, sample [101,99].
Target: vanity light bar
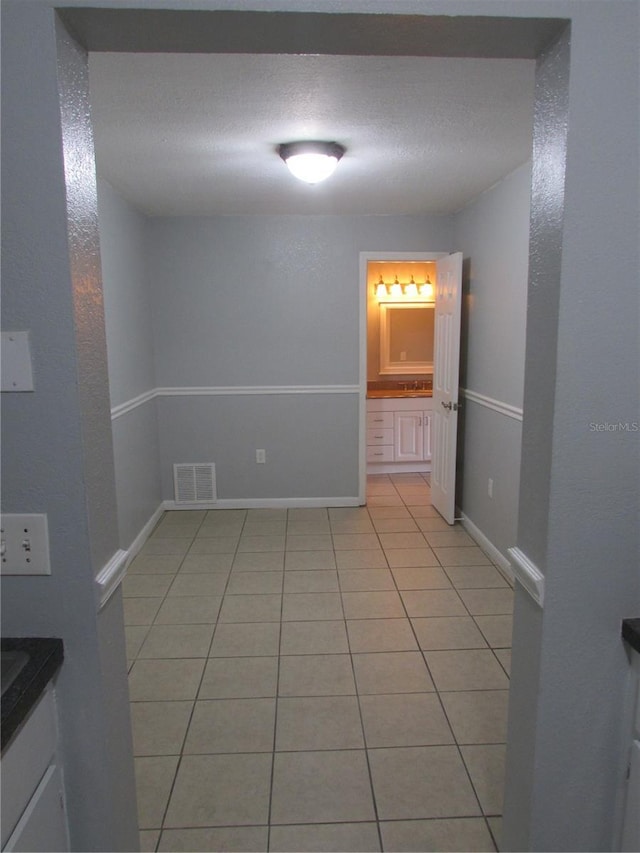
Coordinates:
[410,292]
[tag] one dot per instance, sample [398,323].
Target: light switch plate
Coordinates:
[25,544]
[16,374]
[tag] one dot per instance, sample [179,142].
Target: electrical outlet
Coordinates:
[490,487]
[261,456]
[25,545]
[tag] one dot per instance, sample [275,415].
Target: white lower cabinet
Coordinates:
[399,434]
[33,814]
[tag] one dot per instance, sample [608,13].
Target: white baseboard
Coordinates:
[399,468]
[266,503]
[528,574]
[110,577]
[141,538]
[503,562]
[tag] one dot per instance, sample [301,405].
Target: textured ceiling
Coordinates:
[195,134]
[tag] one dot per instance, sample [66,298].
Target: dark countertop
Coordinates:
[631,632]
[45,657]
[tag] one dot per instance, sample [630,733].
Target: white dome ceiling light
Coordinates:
[311,162]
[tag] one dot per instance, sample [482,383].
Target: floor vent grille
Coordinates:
[194,483]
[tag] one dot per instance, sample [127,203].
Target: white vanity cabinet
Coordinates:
[399,434]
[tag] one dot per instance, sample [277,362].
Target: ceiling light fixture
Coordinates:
[311,162]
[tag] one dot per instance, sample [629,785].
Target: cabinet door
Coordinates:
[408,436]
[426,441]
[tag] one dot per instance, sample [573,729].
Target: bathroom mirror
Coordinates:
[406,338]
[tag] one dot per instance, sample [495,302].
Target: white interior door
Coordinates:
[446,366]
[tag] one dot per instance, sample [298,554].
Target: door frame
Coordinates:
[363,302]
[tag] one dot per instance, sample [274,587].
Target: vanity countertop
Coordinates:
[395,393]
[36,661]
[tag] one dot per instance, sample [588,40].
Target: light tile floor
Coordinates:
[314,680]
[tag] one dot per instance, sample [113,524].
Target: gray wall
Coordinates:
[130,356]
[579,488]
[57,455]
[493,234]
[267,301]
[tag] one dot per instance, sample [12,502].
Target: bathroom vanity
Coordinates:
[398,430]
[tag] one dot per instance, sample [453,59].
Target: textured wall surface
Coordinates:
[493,234]
[131,361]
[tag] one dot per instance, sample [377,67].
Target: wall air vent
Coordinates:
[194,483]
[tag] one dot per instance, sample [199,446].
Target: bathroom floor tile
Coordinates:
[466,556]
[361,559]
[217,544]
[321,787]
[265,528]
[372,605]
[338,837]
[400,558]
[199,584]
[366,580]
[311,723]
[134,636]
[304,561]
[381,635]
[316,675]
[146,586]
[161,564]
[504,656]
[455,538]
[475,669]
[309,542]
[231,725]
[299,607]
[411,719]
[318,581]
[272,561]
[254,583]
[309,638]
[478,716]
[355,541]
[251,608]
[226,839]
[149,840]
[140,611]
[308,527]
[156,545]
[404,524]
[486,768]
[159,728]
[448,632]
[259,544]
[205,563]
[157,680]
[402,540]
[444,834]
[391,672]
[239,678]
[433,602]
[154,777]
[496,629]
[257,639]
[177,641]
[189,610]
[421,577]
[421,782]
[485,602]
[211,790]
[475,577]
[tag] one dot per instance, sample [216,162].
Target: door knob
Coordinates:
[447,405]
